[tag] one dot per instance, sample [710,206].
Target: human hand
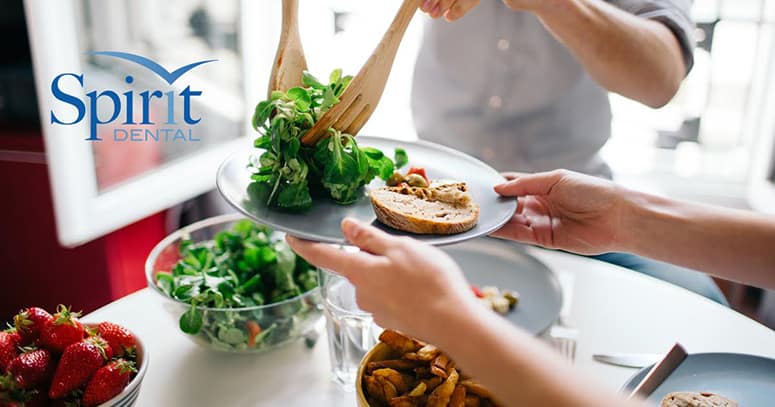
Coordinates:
[564,210]
[525,5]
[450,9]
[406,284]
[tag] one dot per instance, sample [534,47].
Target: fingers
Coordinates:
[519,229]
[441,8]
[450,9]
[430,6]
[459,9]
[530,184]
[348,264]
[367,238]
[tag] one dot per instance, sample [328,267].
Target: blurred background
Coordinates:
[704,146]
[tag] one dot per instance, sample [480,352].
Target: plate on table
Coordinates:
[495,262]
[322,221]
[747,379]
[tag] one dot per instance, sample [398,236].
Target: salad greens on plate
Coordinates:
[287,174]
[242,267]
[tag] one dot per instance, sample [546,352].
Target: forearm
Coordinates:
[635,57]
[516,367]
[736,245]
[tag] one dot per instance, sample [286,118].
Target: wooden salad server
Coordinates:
[289,62]
[359,100]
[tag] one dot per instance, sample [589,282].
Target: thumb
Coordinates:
[366,237]
[530,184]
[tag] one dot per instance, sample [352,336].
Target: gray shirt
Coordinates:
[497,85]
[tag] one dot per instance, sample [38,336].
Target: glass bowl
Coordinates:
[243,330]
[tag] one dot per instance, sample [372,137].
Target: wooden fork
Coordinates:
[289,62]
[358,102]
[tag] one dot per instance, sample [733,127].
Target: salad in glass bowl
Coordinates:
[235,285]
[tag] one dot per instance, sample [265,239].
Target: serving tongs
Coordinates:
[359,100]
[289,61]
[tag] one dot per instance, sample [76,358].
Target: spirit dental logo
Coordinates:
[137,129]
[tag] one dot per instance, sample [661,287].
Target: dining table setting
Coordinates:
[610,312]
[233,316]
[264,327]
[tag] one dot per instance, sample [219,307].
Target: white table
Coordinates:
[615,310]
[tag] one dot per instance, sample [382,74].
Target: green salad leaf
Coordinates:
[243,266]
[288,174]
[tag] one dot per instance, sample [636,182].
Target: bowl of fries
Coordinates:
[400,371]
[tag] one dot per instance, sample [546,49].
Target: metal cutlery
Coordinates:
[660,372]
[635,360]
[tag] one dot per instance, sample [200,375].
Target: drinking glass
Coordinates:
[351,331]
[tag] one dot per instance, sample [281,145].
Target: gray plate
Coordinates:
[321,222]
[747,379]
[490,261]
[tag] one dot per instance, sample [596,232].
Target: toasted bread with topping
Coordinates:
[444,209]
[692,399]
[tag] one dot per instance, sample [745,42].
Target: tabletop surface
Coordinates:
[614,310]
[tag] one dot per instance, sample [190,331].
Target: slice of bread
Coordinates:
[443,209]
[691,399]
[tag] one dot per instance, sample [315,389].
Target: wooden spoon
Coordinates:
[358,102]
[289,62]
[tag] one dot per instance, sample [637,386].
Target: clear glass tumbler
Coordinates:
[351,331]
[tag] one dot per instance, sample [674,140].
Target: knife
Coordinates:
[660,372]
[636,360]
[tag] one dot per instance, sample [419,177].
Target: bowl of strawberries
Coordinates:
[57,360]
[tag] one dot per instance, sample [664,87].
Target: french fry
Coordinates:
[476,388]
[439,365]
[432,383]
[394,377]
[400,342]
[403,401]
[441,394]
[388,389]
[422,376]
[397,364]
[418,390]
[426,353]
[458,398]
[374,389]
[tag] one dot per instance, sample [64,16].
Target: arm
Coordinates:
[733,244]
[583,214]
[396,277]
[636,57]
[513,356]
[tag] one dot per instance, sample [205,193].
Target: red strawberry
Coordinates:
[9,348]
[79,361]
[29,323]
[119,338]
[108,381]
[32,368]
[62,330]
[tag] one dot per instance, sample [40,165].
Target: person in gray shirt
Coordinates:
[523,84]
